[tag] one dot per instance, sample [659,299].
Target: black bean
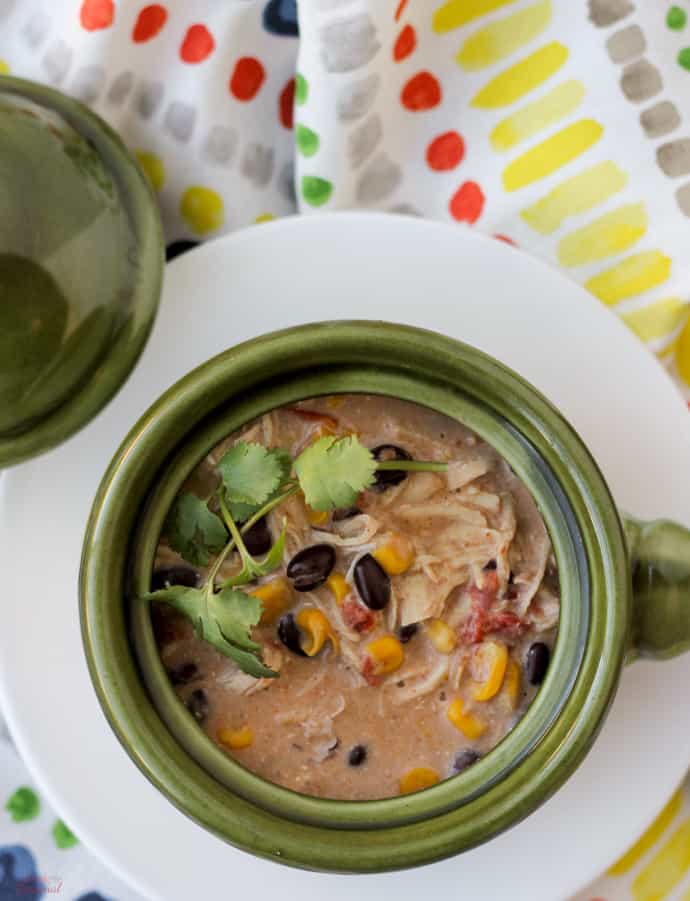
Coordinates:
[511,577]
[491,565]
[386,478]
[258,539]
[405,633]
[289,634]
[465,759]
[197,705]
[537,663]
[373,583]
[174,575]
[345,513]
[311,566]
[357,755]
[184,673]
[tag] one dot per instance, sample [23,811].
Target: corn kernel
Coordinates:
[316,517]
[318,628]
[386,653]
[275,596]
[417,779]
[395,555]
[336,582]
[236,738]
[441,635]
[470,726]
[511,684]
[490,660]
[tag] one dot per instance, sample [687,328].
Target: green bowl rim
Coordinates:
[382,847]
[141,207]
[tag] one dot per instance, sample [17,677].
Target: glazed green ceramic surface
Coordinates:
[81,255]
[530,764]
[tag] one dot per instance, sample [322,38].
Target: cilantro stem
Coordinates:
[413,465]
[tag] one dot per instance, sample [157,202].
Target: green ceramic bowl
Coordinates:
[603,619]
[81,263]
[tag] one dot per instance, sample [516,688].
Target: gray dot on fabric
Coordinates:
[606,12]
[286,181]
[660,119]
[348,43]
[674,157]
[6,7]
[148,98]
[88,83]
[626,44]
[362,142]
[120,87]
[381,177]
[640,81]
[219,145]
[56,62]
[257,163]
[405,209]
[356,99]
[683,198]
[35,30]
[179,120]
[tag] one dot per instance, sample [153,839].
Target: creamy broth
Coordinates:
[399,697]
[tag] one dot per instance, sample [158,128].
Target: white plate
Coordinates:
[338,266]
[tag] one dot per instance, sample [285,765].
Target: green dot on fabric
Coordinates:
[301,89]
[676,18]
[64,837]
[684,58]
[316,191]
[307,140]
[23,805]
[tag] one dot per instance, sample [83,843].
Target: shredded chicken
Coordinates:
[349,533]
[417,688]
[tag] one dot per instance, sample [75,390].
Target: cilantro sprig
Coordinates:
[330,473]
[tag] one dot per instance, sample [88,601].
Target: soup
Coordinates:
[403,586]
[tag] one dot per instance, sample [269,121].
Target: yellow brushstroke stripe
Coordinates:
[658,319]
[551,154]
[649,838]
[604,237]
[521,78]
[630,277]
[663,355]
[665,869]
[4,67]
[575,195]
[538,115]
[459,12]
[683,354]
[494,42]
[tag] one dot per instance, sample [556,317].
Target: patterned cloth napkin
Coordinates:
[555,125]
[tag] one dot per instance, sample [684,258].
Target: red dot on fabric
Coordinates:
[421,92]
[197,45]
[149,22]
[445,152]
[405,43]
[286,104]
[507,240]
[247,78]
[96,14]
[467,203]
[400,10]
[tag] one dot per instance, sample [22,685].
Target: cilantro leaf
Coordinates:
[333,471]
[253,568]
[251,472]
[193,531]
[223,619]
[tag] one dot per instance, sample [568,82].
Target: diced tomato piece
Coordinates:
[482,619]
[356,616]
[369,672]
[314,416]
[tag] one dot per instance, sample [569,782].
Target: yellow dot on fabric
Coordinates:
[683,354]
[500,39]
[459,12]
[153,167]
[538,115]
[4,67]
[522,77]
[574,196]
[649,838]
[664,871]
[551,154]
[604,237]
[264,217]
[658,319]
[633,275]
[202,209]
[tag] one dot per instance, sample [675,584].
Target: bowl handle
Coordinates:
[659,554]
